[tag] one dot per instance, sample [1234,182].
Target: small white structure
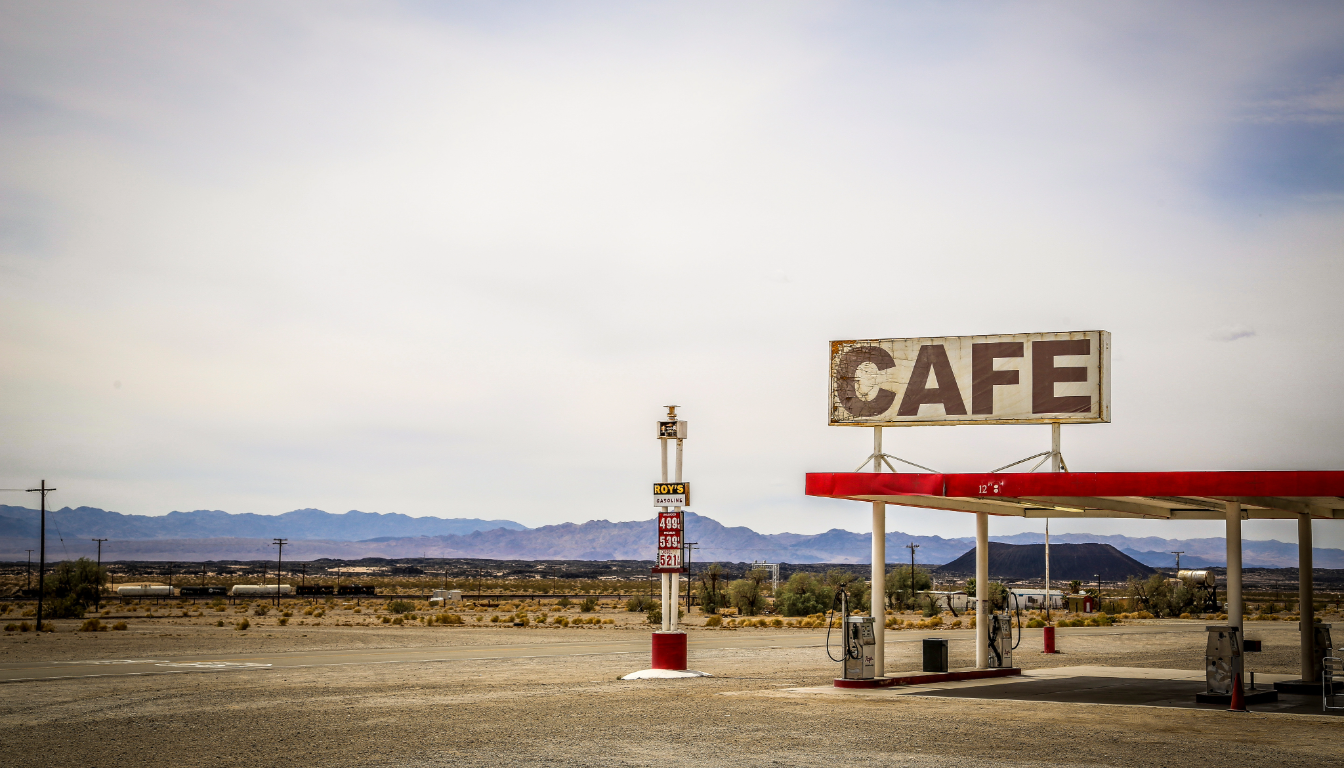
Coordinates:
[1034,599]
[144,590]
[957,602]
[444,596]
[251,590]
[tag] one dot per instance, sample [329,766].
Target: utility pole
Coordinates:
[1178,562]
[912,547]
[41,551]
[278,558]
[30,569]
[99,604]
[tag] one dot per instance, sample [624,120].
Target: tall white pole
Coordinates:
[1047,566]
[666,578]
[1054,447]
[1055,459]
[981,590]
[877,601]
[1234,564]
[676,577]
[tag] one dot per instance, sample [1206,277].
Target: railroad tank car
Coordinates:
[144,590]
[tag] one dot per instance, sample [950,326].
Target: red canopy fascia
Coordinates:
[1170,495]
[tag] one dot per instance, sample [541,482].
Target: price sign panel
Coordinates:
[670,537]
[671,494]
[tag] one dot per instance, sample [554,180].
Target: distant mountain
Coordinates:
[86,522]
[314,533]
[1083,562]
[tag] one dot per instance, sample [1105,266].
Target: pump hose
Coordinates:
[834,601]
[1018,610]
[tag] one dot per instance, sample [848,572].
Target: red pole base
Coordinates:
[1238,698]
[1050,640]
[669,650]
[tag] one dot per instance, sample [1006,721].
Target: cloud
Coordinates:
[1232,333]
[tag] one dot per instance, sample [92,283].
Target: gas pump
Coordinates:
[858,641]
[1001,642]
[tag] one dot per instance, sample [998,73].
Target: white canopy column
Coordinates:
[1234,564]
[981,590]
[877,597]
[1306,599]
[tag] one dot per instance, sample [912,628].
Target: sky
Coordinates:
[453,259]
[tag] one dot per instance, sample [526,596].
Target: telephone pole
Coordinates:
[279,557]
[41,551]
[100,572]
[1178,562]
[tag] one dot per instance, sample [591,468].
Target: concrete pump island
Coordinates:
[353,675]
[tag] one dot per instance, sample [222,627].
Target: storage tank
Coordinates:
[1206,578]
[250,590]
[145,590]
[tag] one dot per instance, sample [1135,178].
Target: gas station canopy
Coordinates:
[1152,495]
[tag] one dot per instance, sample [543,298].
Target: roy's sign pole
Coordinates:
[670,496]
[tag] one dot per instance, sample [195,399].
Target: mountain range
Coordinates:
[215,535]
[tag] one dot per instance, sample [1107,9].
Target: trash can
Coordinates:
[935,655]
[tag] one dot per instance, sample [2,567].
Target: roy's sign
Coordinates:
[1025,378]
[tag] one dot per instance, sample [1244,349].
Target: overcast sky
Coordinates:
[452,259]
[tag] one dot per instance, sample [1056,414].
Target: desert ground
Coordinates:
[346,689]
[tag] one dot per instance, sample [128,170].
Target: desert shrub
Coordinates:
[639,603]
[244,624]
[219,623]
[564,602]
[120,626]
[776,622]
[282,621]
[713,621]
[1035,624]
[449,618]
[655,614]
[92,625]
[803,595]
[588,605]
[400,606]
[358,610]
[308,611]
[25,627]
[387,619]
[399,621]
[11,627]
[73,587]
[494,619]
[260,610]
[899,593]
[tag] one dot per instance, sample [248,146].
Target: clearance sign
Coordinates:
[1025,378]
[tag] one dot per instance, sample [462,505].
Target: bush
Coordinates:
[260,610]
[400,606]
[244,624]
[588,605]
[1035,624]
[282,621]
[11,627]
[639,603]
[898,592]
[92,625]
[73,587]
[399,621]
[713,621]
[655,615]
[219,623]
[564,602]
[120,626]
[803,595]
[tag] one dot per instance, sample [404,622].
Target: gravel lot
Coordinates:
[573,710]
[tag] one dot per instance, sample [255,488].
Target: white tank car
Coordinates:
[145,590]
[250,590]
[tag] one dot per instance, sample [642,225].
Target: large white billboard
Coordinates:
[1021,378]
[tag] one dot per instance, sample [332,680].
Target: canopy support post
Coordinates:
[982,616]
[1234,564]
[1306,600]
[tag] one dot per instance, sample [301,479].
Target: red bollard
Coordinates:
[669,650]
[1238,699]
[1050,640]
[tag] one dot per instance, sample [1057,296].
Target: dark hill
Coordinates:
[1084,562]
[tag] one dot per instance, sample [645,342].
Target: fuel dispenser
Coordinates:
[858,641]
[1001,642]
[1223,661]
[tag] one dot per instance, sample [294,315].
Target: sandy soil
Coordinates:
[573,710]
